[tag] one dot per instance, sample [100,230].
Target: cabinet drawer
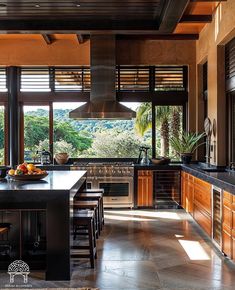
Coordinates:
[227,216]
[203,197]
[202,184]
[145,172]
[202,219]
[227,196]
[227,244]
[233,220]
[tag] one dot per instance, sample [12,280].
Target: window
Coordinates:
[72,79]
[68,136]
[170,78]
[36,131]
[97,138]
[132,78]
[3,80]
[35,80]
[2,135]
[169,122]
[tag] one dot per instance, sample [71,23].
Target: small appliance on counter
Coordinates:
[143,156]
[45,157]
[3,172]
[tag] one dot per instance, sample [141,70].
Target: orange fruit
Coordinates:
[31,167]
[11,172]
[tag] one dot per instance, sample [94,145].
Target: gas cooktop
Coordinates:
[103,164]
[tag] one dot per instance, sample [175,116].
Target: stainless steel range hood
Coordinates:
[103,103]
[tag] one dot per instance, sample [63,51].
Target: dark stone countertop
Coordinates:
[224,180]
[55,181]
[171,166]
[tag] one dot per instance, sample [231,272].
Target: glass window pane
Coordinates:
[68,138]
[169,122]
[36,131]
[97,138]
[35,80]
[2,135]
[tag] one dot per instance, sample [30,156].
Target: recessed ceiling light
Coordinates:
[77,4]
[37,5]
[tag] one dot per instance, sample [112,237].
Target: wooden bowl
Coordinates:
[161,161]
[61,158]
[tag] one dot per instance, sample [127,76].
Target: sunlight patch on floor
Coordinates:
[194,250]
[179,236]
[126,218]
[150,214]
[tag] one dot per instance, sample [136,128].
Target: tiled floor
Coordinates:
[149,250]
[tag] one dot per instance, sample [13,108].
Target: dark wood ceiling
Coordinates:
[177,19]
[90,15]
[82,9]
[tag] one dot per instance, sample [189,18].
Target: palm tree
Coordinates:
[143,120]
[144,123]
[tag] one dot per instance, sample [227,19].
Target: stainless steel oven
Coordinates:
[117,180]
[118,191]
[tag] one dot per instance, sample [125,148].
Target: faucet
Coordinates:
[208,150]
[232,165]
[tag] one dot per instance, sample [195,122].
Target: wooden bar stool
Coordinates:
[95,191]
[5,228]
[94,196]
[85,220]
[90,205]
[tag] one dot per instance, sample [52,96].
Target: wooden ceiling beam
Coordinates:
[196,19]
[48,26]
[175,36]
[47,38]
[80,38]
[171,15]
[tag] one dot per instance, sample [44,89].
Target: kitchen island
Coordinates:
[54,195]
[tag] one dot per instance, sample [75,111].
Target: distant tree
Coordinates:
[36,129]
[114,144]
[59,147]
[65,131]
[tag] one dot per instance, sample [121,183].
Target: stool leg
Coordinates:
[94,237]
[97,223]
[102,209]
[91,244]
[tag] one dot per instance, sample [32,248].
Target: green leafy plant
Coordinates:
[186,143]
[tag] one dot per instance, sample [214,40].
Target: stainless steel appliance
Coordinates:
[144,160]
[217,216]
[116,178]
[45,157]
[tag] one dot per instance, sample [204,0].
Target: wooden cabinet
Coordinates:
[196,200]
[145,188]
[187,192]
[228,225]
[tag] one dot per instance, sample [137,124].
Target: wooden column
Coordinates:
[13,116]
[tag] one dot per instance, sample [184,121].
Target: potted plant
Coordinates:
[186,144]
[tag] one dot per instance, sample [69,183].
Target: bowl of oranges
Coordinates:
[27,171]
